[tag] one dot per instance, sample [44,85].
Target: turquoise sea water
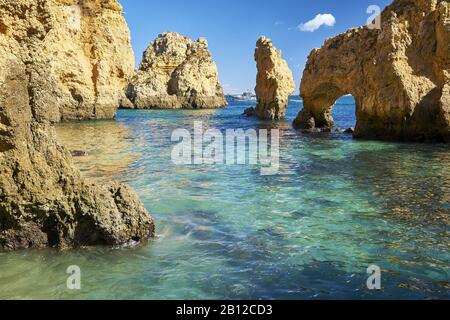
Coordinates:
[310,232]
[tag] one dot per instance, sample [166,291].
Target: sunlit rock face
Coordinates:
[43,200]
[176,72]
[85,52]
[274,81]
[399,75]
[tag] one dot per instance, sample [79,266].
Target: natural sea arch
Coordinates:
[398,74]
[320,109]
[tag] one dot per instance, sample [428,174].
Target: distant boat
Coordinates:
[297,99]
[245,97]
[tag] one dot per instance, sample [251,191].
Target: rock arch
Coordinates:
[399,75]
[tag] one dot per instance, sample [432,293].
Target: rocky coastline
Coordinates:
[399,75]
[65,60]
[44,201]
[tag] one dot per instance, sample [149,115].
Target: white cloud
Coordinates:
[229,89]
[320,20]
[279,23]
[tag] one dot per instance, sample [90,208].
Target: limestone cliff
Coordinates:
[399,75]
[274,81]
[176,73]
[43,200]
[86,54]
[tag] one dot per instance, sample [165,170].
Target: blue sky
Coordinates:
[233,26]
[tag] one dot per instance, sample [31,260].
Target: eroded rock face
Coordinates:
[274,81]
[43,200]
[176,73]
[399,75]
[86,53]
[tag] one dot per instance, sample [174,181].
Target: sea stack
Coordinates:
[176,72]
[44,201]
[274,82]
[398,73]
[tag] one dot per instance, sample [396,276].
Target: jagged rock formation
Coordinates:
[43,200]
[274,82]
[176,73]
[87,53]
[399,75]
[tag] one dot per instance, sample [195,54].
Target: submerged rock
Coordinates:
[274,83]
[350,130]
[176,72]
[43,200]
[250,112]
[399,75]
[78,153]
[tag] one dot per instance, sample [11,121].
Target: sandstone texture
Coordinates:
[274,82]
[43,200]
[176,72]
[399,75]
[86,53]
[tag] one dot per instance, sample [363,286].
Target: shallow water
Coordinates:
[337,207]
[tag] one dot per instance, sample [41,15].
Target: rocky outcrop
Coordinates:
[399,75]
[274,82]
[86,53]
[176,73]
[43,200]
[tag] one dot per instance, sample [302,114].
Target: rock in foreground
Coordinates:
[176,73]
[399,75]
[87,58]
[43,200]
[274,83]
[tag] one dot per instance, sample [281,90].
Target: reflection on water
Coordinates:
[337,207]
[103,149]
